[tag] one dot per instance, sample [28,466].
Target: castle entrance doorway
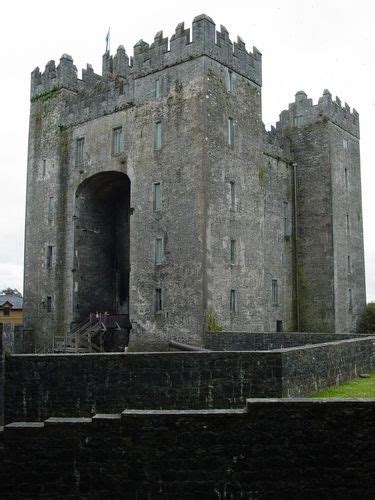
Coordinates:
[101,245]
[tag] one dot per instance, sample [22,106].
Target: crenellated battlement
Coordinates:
[147,59]
[276,145]
[303,112]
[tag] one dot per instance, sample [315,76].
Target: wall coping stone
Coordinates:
[226,411]
[68,420]
[315,401]
[24,425]
[107,416]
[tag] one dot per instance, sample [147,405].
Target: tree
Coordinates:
[367,322]
[11,291]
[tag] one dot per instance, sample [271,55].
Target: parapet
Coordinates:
[62,76]
[161,54]
[303,112]
[276,144]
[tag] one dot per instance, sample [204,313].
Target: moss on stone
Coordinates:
[45,96]
[178,86]
[63,141]
[261,176]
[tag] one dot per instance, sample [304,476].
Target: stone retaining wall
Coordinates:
[273,449]
[246,341]
[41,386]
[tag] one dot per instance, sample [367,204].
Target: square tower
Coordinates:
[329,238]
[143,192]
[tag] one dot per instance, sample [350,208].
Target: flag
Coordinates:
[107,40]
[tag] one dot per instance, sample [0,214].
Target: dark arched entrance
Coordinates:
[101,245]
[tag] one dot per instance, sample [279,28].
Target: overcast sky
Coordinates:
[306,45]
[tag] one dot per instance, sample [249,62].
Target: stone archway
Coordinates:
[101,245]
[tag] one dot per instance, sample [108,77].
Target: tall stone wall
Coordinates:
[275,175]
[308,369]
[273,449]
[329,237]
[177,90]
[246,341]
[234,200]
[41,386]
[263,229]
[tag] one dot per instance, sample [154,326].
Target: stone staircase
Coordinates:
[88,336]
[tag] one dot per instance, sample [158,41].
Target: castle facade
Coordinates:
[154,191]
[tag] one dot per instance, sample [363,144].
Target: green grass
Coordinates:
[356,388]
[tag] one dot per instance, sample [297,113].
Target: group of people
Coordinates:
[104,317]
[115,339]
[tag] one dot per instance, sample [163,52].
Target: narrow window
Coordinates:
[275,293]
[232,195]
[6,311]
[346,179]
[49,256]
[232,251]
[80,144]
[44,168]
[230,132]
[285,217]
[298,121]
[345,143]
[157,137]
[230,81]
[49,304]
[157,196]
[117,141]
[347,224]
[159,251]
[51,208]
[157,89]
[349,264]
[279,326]
[350,298]
[158,300]
[233,301]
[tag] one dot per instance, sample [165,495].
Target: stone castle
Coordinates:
[155,192]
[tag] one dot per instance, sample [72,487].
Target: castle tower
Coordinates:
[143,191]
[329,237]
[154,193]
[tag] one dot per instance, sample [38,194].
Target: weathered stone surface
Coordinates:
[285,223]
[330,277]
[246,341]
[38,387]
[274,449]
[42,386]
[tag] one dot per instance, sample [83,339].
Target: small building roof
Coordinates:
[16,302]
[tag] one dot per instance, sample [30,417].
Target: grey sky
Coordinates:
[306,45]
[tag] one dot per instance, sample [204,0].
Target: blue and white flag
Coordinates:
[107,40]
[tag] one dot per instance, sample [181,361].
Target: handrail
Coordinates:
[82,334]
[186,347]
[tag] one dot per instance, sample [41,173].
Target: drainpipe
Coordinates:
[294,165]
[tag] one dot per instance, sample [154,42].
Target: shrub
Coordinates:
[367,322]
[212,324]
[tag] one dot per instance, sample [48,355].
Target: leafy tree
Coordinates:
[11,291]
[367,323]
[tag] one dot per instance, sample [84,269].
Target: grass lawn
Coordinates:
[356,388]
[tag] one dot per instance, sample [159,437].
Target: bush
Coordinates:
[367,322]
[212,324]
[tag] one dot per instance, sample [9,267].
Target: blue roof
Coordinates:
[17,302]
